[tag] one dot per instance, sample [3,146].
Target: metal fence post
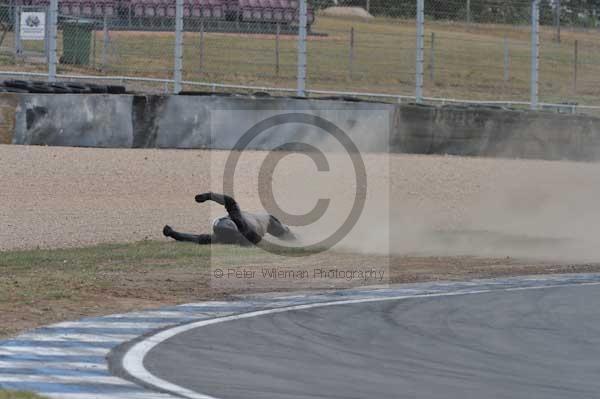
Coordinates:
[178,46]
[46,36]
[105,41]
[432,58]
[94,46]
[420,51]
[277,34]
[506,60]
[351,60]
[557,19]
[201,55]
[575,65]
[129,16]
[535,53]
[53,29]
[18,47]
[468,11]
[301,74]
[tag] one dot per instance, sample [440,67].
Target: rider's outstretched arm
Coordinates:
[228,202]
[234,212]
[202,239]
[218,198]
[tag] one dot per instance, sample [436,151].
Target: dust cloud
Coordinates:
[432,205]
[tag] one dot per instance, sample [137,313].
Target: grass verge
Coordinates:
[18,395]
[40,287]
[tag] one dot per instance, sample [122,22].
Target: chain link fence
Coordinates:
[424,50]
[239,52]
[30,54]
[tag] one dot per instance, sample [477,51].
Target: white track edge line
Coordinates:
[133,360]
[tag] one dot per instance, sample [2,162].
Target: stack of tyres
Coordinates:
[15,86]
[25,86]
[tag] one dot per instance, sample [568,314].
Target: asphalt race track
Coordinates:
[532,343]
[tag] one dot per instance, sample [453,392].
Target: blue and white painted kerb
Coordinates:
[69,360]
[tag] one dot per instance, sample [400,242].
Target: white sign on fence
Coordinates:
[33,25]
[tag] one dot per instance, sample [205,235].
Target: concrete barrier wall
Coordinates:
[493,132]
[74,120]
[219,121]
[8,113]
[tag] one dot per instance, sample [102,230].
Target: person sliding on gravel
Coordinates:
[238,227]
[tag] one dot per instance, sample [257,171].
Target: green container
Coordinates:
[77,39]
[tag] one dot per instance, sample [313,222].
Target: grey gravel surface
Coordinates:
[64,197]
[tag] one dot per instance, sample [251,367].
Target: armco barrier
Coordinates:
[100,120]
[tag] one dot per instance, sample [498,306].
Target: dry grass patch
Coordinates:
[19,395]
[45,286]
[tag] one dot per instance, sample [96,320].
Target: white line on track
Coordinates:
[42,337]
[133,361]
[41,350]
[173,314]
[115,381]
[36,364]
[129,395]
[107,324]
[215,304]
